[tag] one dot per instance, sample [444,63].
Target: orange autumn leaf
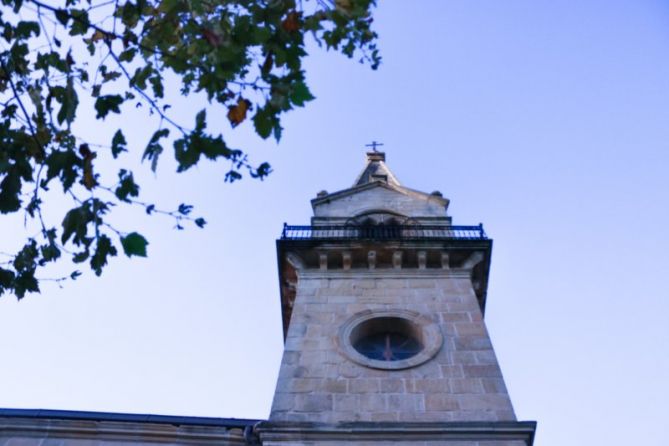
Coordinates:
[89,177]
[211,37]
[344,5]
[292,22]
[101,35]
[237,113]
[88,156]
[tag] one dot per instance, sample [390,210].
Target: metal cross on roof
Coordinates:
[374,145]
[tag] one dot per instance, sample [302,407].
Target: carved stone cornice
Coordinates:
[276,433]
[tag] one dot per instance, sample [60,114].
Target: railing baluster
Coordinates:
[416,232]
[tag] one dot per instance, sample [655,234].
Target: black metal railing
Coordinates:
[403,232]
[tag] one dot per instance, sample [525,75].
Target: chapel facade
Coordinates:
[385,343]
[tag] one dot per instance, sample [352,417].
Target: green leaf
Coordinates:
[154,148]
[46,61]
[49,252]
[110,76]
[185,209]
[63,164]
[80,22]
[127,55]
[118,144]
[157,85]
[6,280]
[62,16]
[301,94]
[141,75]
[129,14]
[277,130]
[261,34]
[126,187]
[264,122]
[261,171]
[25,260]
[9,111]
[134,244]
[201,120]
[34,205]
[23,30]
[103,250]
[10,188]
[106,104]
[80,256]
[75,224]
[25,282]
[70,102]
[168,5]
[232,175]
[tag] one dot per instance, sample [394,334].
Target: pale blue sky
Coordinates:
[546,121]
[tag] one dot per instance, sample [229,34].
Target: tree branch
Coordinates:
[18,99]
[146,97]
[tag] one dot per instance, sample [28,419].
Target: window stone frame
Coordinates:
[424,329]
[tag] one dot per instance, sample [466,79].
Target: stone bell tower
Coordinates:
[385,343]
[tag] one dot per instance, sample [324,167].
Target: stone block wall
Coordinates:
[318,383]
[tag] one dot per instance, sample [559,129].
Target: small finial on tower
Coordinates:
[375,155]
[374,145]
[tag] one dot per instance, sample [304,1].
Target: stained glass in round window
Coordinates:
[386,339]
[388,346]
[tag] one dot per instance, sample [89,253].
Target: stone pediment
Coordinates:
[379,196]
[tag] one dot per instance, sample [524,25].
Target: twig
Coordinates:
[39,17]
[148,99]
[18,99]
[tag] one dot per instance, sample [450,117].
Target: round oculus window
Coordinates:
[386,339]
[389,339]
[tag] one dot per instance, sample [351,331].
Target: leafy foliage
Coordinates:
[244,56]
[134,244]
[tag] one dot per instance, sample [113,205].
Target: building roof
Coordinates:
[376,170]
[126,417]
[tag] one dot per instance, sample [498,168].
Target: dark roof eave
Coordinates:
[126,417]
